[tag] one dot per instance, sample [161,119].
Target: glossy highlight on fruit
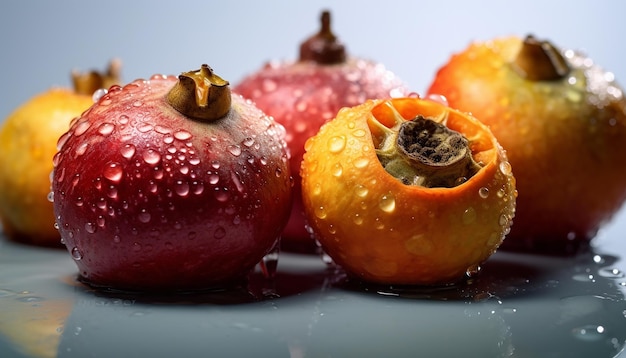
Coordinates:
[304,94]
[171,184]
[28,140]
[407,191]
[562,120]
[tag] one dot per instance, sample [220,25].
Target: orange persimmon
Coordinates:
[407,191]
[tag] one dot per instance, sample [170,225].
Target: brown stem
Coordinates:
[88,82]
[323,48]
[201,95]
[540,61]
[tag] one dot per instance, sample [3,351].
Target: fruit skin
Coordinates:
[148,199]
[27,144]
[304,94]
[566,141]
[383,231]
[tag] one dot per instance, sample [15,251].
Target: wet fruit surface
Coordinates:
[304,94]
[378,195]
[151,194]
[562,121]
[27,143]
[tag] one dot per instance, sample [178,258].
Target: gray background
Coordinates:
[41,41]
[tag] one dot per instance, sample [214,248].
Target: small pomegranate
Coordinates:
[28,139]
[302,95]
[168,184]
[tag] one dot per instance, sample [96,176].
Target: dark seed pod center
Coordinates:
[430,143]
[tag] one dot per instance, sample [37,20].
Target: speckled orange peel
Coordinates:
[388,228]
[562,120]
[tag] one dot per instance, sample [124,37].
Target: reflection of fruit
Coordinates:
[438,206]
[562,121]
[27,144]
[304,94]
[166,184]
[34,331]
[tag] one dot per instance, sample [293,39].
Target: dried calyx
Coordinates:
[323,48]
[540,61]
[425,152]
[201,95]
[89,82]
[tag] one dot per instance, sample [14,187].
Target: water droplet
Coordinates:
[99,93]
[184,170]
[320,212]
[90,228]
[181,188]
[151,156]
[248,142]
[106,128]
[145,127]
[359,133]
[278,172]
[611,273]
[123,119]
[483,192]
[137,103]
[472,271]
[144,216]
[198,188]
[505,168]
[113,172]
[361,190]
[81,128]
[194,161]
[63,139]
[387,203]
[221,195]
[358,219]
[127,151]
[182,135]
[234,149]
[589,332]
[51,197]
[469,216]
[213,178]
[336,144]
[337,169]
[76,254]
[219,233]
[361,162]
[504,220]
[584,277]
[81,149]
[269,263]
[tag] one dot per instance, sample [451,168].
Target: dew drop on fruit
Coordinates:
[90,228]
[320,212]
[51,197]
[504,220]
[221,195]
[127,151]
[184,170]
[76,254]
[248,142]
[213,178]
[469,216]
[62,140]
[81,128]
[151,156]
[181,188]
[361,162]
[360,190]
[194,161]
[182,135]
[168,139]
[106,128]
[387,203]
[483,192]
[113,172]
[145,127]
[219,233]
[337,169]
[505,168]
[336,144]
[198,188]
[81,149]
[144,216]
[99,93]
[234,150]
[137,103]
[123,119]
